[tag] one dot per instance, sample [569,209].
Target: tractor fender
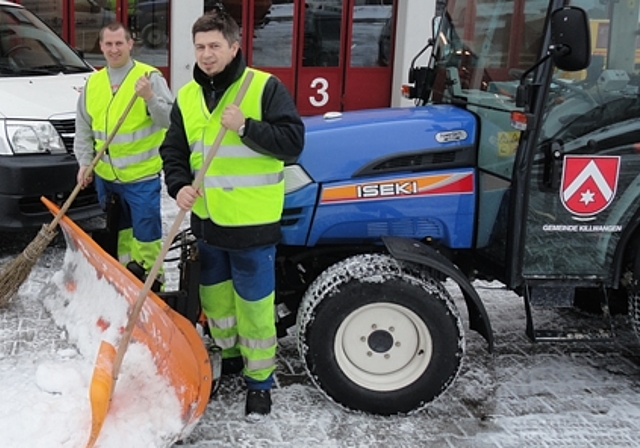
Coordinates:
[411,250]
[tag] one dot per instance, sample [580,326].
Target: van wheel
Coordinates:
[153,35]
[376,336]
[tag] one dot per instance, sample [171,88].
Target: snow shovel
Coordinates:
[179,355]
[109,360]
[17,271]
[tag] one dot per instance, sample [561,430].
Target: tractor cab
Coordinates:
[558,139]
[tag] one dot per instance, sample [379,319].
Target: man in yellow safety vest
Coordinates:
[236,211]
[130,168]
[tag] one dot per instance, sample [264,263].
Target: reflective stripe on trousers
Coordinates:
[237,295]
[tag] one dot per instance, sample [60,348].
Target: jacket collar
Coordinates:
[221,81]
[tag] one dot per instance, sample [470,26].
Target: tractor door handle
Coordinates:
[552,165]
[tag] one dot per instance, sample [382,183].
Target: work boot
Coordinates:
[232,366]
[258,405]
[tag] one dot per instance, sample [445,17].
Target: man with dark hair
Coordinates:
[236,211]
[130,168]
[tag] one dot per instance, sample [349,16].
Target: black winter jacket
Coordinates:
[280,134]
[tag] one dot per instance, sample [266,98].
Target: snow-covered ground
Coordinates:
[524,394]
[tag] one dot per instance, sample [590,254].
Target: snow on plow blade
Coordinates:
[177,350]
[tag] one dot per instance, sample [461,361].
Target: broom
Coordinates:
[17,271]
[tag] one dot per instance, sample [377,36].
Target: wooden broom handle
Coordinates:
[65,207]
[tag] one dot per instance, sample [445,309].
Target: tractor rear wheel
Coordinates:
[378,337]
[634,296]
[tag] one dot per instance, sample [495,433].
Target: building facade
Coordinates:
[333,55]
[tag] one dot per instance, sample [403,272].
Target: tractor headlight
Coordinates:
[295,177]
[31,137]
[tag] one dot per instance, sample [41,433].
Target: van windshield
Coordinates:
[29,47]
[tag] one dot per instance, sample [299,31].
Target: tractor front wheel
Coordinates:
[378,337]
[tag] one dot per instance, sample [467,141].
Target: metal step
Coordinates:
[545,297]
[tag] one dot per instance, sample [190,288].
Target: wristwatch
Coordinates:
[241,130]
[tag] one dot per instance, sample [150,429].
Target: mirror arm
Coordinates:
[430,43]
[533,67]
[523,92]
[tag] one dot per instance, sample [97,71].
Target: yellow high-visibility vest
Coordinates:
[241,187]
[133,153]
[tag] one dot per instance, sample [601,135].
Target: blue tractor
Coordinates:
[519,163]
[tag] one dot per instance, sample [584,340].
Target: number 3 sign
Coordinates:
[320,85]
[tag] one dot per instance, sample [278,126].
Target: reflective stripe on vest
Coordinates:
[133,153]
[126,161]
[241,187]
[231,182]
[238,151]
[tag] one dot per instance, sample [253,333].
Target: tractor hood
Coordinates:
[356,143]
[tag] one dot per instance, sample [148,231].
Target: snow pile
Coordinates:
[46,401]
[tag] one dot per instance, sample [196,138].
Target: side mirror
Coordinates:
[570,39]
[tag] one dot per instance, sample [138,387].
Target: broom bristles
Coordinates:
[18,270]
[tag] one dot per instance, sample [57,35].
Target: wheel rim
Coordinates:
[383,346]
[154,35]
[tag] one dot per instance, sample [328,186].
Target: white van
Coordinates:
[40,79]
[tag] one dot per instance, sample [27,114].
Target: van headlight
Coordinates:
[295,178]
[33,137]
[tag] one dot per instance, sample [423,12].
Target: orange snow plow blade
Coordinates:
[178,351]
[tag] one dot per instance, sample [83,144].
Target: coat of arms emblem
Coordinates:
[589,183]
